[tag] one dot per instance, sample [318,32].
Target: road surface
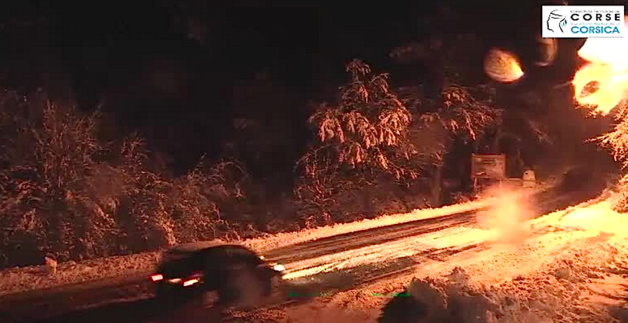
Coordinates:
[315,268]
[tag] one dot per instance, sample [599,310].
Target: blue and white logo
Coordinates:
[556,21]
[583,22]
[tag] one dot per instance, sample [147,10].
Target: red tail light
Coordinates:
[190,282]
[157,277]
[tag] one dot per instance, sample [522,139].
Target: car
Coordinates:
[234,271]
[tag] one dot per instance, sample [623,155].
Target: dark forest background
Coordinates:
[128,126]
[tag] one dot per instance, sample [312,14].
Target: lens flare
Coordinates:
[602,83]
[502,66]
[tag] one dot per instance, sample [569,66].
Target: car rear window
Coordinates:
[224,252]
[172,255]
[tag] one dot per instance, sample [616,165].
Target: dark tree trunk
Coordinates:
[437,187]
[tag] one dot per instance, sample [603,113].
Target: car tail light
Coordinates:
[157,277]
[190,282]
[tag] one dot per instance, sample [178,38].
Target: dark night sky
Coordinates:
[180,93]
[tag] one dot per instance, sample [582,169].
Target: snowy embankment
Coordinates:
[264,244]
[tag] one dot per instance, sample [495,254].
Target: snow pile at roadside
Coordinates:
[570,266]
[564,292]
[573,268]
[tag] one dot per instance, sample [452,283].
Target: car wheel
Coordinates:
[165,294]
[266,280]
[163,291]
[243,288]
